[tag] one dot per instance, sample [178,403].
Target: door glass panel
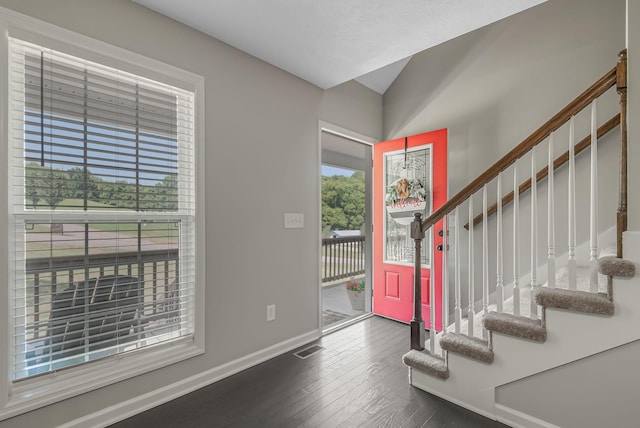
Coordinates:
[407,190]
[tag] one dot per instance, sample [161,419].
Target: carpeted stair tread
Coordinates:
[425,362]
[579,301]
[614,266]
[471,347]
[512,325]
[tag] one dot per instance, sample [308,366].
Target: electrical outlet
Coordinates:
[271,312]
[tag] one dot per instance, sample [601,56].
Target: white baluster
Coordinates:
[571,264]
[533,313]
[432,300]
[499,266]
[458,306]
[593,254]
[551,231]
[445,275]
[516,242]
[485,257]
[470,310]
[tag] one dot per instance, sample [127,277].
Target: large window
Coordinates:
[103,213]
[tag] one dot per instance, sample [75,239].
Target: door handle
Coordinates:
[440,247]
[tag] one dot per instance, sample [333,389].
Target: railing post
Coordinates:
[417,323]
[445,274]
[621,86]
[551,222]
[499,253]
[471,314]
[485,257]
[516,242]
[593,214]
[571,263]
[456,255]
[533,307]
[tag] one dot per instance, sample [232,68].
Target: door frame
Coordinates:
[368,141]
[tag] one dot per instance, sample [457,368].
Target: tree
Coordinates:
[54,185]
[56,192]
[334,218]
[126,195]
[166,193]
[343,204]
[33,183]
[81,183]
[46,184]
[106,192]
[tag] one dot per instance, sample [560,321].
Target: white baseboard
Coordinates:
[126,409]
[517,419]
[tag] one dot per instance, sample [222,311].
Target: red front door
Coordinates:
[409,175]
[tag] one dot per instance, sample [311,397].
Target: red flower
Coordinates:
[355,285]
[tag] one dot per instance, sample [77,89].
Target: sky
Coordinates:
[113,152]
[332,170]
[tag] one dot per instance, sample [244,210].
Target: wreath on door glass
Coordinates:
[404,197]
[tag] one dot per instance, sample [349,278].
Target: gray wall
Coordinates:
[493,87]
[262,136]
[598,391]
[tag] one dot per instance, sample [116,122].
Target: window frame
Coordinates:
[29,394]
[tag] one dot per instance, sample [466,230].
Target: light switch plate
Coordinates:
[293,220]
[271,312]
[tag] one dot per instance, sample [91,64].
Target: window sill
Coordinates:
[54,387]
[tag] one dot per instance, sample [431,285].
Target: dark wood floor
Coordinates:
[356,380]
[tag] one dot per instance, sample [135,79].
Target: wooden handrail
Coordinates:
[557,163]
[579,103]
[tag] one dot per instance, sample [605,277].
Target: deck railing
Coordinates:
[342,257]
[46,276]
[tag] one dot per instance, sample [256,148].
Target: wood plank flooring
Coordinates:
[356,380]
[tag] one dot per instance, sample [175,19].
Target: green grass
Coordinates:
[149,230]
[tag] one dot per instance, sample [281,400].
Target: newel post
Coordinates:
[621,86]
[417,323]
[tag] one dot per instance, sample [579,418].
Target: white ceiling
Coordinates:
[329,42]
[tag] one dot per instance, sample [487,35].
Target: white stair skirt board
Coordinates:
[570,336]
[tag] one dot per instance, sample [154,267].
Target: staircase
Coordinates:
[557,313]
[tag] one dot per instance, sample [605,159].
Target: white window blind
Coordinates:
[103,209]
